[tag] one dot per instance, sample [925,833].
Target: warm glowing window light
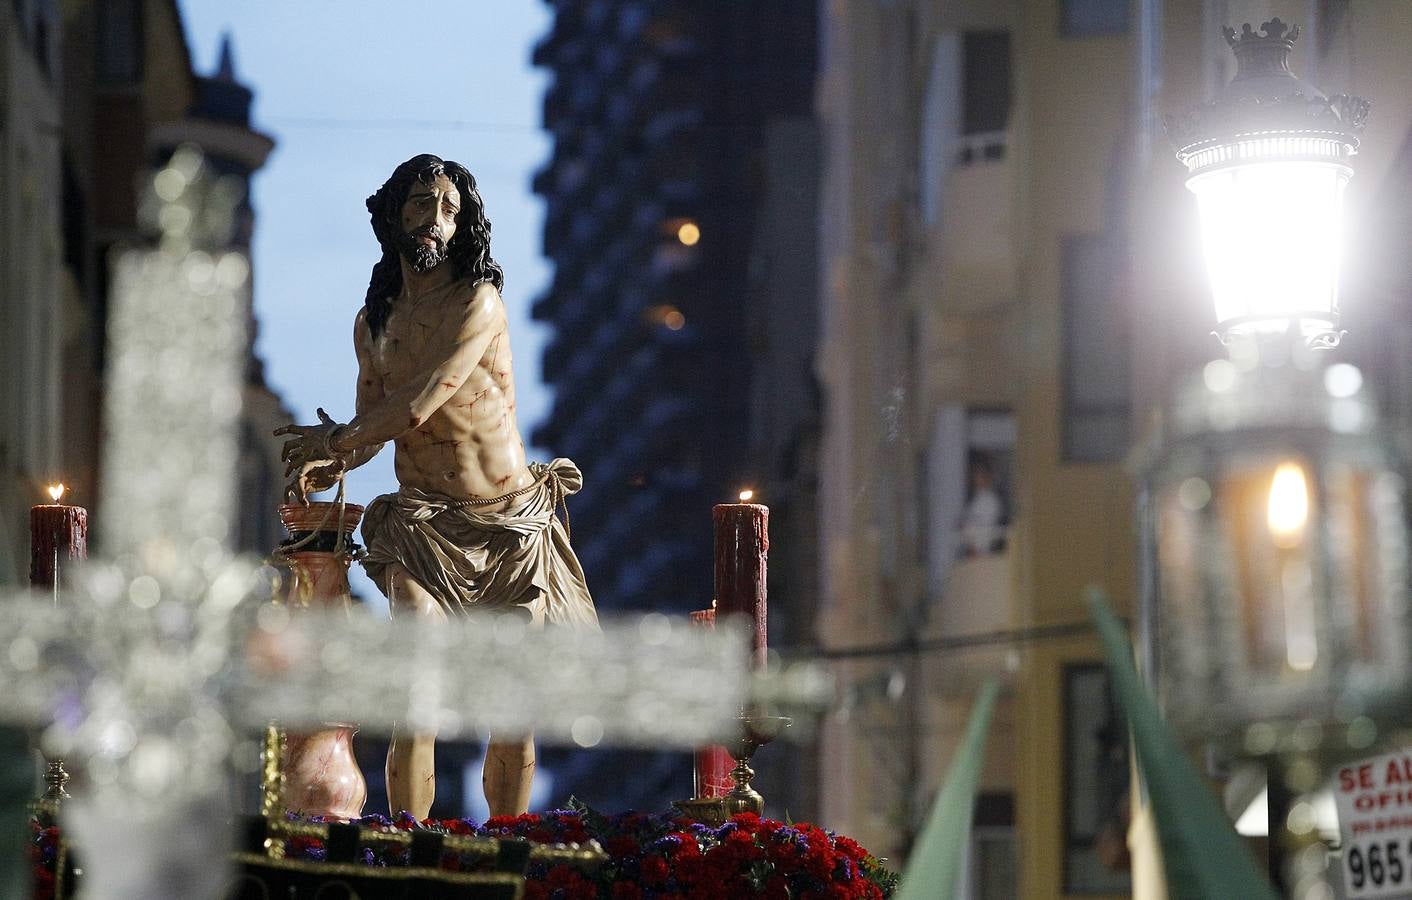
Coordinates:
[666,315]
[1287,512]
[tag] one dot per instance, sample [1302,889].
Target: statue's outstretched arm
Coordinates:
[317,454]
[370,386]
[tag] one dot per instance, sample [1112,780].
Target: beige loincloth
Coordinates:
[474,561]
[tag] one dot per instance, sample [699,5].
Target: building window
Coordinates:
[1096,780]
[990,451]
[969,489]
[985,81]
[1096,369]
[119,42]
[1093,18]
[992,866]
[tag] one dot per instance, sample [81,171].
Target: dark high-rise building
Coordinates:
[683,146]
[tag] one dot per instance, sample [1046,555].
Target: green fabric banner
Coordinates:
[1203,856]
[934,866]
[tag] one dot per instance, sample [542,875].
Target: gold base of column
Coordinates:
[706,810]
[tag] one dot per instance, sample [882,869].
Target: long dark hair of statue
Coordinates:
[469,249]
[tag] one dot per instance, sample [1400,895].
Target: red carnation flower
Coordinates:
[820,861]
[561,876]
[776,888]
[621,845]
[783,855]
[850,848]
[654,870]
[571,828]
[687,847]
[691,869]
[499,822]
[746,819]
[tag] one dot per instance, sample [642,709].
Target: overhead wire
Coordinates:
[341,124]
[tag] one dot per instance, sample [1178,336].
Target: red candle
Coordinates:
[742,550]
[711,765]
[58,533]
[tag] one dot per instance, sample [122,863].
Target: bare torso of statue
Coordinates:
[470,446]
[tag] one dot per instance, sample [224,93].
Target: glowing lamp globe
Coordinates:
[1276,520]
[1268,161]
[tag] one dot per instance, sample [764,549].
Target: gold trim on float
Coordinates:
[587,853]
[391,873]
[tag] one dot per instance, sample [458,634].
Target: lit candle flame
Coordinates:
[56,491]
[1288,510]
[746,496]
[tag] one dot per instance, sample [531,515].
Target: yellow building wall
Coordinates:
[1076,523]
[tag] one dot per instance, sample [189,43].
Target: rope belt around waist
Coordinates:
[556,488]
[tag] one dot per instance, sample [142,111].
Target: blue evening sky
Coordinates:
[348,90]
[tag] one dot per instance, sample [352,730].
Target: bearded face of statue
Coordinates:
[428,222]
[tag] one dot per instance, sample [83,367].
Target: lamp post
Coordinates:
[1276,556]
[1275,553]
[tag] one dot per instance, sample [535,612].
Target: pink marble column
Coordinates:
[321,776]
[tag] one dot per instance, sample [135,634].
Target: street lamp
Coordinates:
[1275,586]
[1275,594]
[1268,161]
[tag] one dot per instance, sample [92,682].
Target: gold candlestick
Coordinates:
[56,779]
[755,731]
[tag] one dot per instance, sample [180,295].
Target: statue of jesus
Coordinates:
[472,527]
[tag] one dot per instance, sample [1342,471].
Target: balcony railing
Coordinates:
[984,146]
[977,602]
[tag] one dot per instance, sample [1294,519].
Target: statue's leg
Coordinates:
[509,762]
[411,758]
[508,774]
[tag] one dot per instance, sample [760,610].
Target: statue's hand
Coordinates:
[312,478]
[309,453]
